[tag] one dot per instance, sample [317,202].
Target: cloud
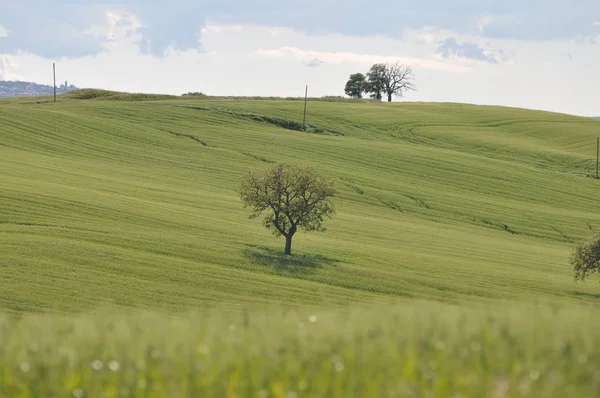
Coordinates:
[362,59]
[8,69]
[3,32]
[533,19]
[450,48]
[170,29]
[313,63]
[115,24]
[49,30]
[426,35]
[56,29]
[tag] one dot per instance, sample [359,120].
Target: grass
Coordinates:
[129,202]
[134,203]
[414,350]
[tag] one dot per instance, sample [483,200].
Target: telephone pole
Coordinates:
[597,153]
[304,118]
[54,75]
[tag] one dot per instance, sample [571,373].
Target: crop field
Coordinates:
[415,350]
[454,212]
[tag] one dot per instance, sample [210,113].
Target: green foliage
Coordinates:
[294,197]
[356,85]
[585,259]
[376,81]
[403,350]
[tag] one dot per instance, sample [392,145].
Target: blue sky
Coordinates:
[477,40]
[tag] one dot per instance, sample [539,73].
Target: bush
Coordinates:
[585,259]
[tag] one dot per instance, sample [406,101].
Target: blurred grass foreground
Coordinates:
[403,350]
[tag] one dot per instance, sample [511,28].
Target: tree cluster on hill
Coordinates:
[194,94]
[391,79]
[28,89]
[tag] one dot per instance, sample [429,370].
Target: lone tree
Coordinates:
[356,85]
[397,79]
[292,196]
[585,259]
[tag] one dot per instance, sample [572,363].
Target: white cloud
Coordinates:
[452,49]
[272,60]
[3,32]
[361,59]
[213,27]
[485,22]
[426,35]
[313,63]
[501,21]
[117,25]
[8,69]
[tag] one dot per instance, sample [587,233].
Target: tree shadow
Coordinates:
[294,264]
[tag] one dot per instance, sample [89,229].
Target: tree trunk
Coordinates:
[288,244]
[389,97]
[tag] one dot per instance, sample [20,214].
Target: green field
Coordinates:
[416,350]
[131,202]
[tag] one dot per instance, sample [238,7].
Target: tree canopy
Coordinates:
[585,259]
[292,196]
[356,85]
[391,79]
[376,81]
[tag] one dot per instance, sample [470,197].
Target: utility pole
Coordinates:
[54,75]
[304,118]
[597,153]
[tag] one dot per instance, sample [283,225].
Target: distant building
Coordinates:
[24,89]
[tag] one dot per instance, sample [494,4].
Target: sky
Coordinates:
[538,54]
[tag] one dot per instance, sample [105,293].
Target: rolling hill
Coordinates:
[128,266]
[110,200]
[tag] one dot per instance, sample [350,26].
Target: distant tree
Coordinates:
[397,79]
[391,79]
[292,196]
[585,258]
[356,85]
[194,94]
[376,81]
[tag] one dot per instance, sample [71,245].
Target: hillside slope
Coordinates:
[135,203]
